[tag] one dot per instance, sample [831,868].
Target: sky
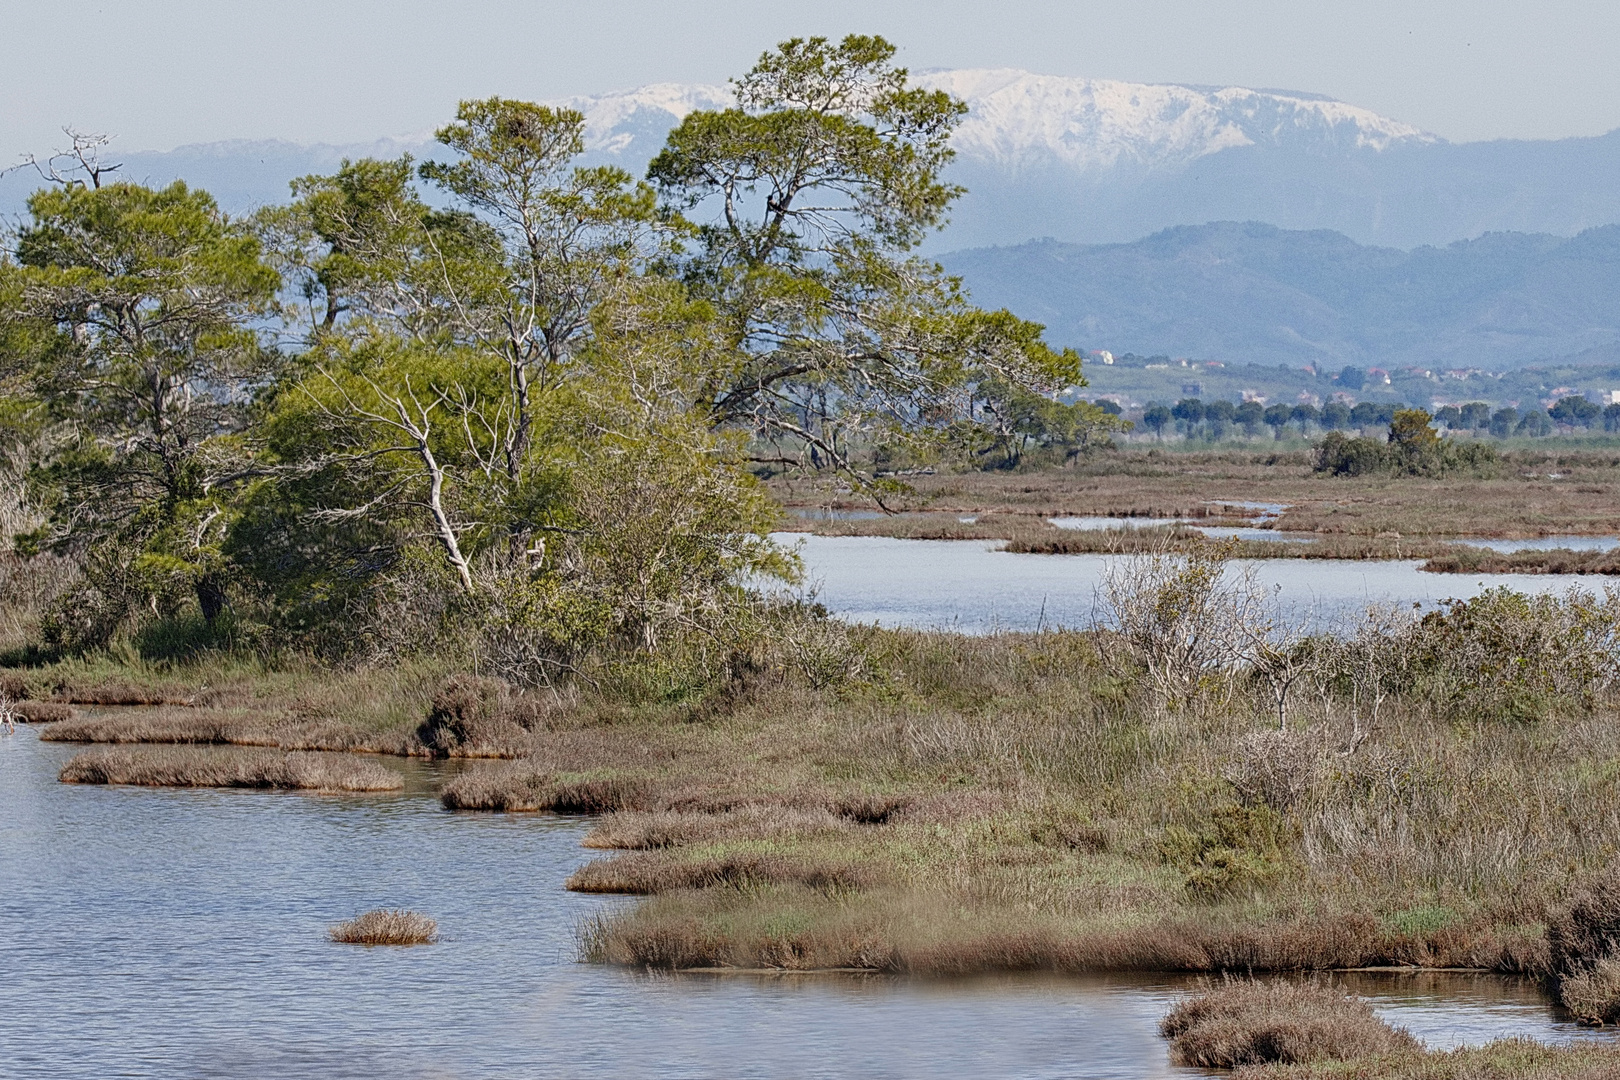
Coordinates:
[161,73]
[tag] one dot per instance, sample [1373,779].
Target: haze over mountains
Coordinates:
[1086,161]
[1253,293]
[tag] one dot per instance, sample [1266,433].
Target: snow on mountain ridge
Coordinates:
[1093,124]
[1017,118]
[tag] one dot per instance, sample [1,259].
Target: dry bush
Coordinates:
[1252,1023]
[1178,615]
[478,717]
[176,767]
[1592,993]
[1273,768]
[387,926]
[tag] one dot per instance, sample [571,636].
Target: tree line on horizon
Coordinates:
[1193,418]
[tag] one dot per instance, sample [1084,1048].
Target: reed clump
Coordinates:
[387,926]
[186,767]
[1251,1022]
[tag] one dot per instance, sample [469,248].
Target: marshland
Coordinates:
[466,596]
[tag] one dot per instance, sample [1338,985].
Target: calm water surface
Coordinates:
[973,586]
[155,933]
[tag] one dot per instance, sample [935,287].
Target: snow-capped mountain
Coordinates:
[1091,160]
[1016,119]
[1091,125]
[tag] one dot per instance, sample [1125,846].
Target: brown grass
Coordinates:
[654,872]
[229,727]
[1583,938]
[1507,1059]
[895,928]
[387,926]
[41,712]
[176,767]
[1466,560]
[1249,1022]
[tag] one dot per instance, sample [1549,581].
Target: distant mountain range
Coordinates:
[1090,161]
[1093,160]
[1253,293]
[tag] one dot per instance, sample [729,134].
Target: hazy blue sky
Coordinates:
[163,72]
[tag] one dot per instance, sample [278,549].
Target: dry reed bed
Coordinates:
[1251,1022]
[177,767]
[387,926]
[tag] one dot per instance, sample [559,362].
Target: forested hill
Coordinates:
[1253,293]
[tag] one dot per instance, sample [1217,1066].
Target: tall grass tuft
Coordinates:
[387,926]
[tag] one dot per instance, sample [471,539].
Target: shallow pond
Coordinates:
[161,933]
[974,587]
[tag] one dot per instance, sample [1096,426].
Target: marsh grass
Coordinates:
[387,926]
[40,712]
[1251,1022]
[187,767]
[1506,1059]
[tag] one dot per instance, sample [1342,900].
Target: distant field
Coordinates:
[1542,490]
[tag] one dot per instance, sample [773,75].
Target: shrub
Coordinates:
[1505,655]
[1237,850]
[387,926]
[477,717]
[1341,455]
[1256,1023]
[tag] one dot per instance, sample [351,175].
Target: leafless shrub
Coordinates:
[1273,768]
[1255,1023]
[1180,617]
[387,926]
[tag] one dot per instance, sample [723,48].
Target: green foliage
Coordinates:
[814,189]
[137,308]
[1507,656]
[1235,851]
[1413,448]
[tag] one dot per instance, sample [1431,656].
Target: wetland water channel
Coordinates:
[180,933]
[972,586]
